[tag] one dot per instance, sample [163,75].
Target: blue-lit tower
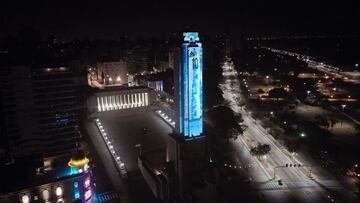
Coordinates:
[188,87]
[187,147]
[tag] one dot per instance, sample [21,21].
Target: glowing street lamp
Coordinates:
[343,106]
[302,135]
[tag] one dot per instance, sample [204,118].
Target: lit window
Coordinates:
[77,195]
[25,199]
[87,183]
[45,194]
[87,194]
[58,191]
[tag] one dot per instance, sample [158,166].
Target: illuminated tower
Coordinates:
[188,87]
[187,146]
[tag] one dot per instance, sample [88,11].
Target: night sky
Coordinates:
[110,19]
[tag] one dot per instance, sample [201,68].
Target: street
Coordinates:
[316,188]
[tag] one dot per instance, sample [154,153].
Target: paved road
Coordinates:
[294,179]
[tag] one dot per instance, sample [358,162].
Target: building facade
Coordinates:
[40,108]
[61,185]
[120,98]
[112,73]
[188,87]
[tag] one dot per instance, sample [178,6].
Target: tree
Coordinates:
[357,128]
[278,93]
[322,121]
[226,122]
[260,91]
[260,150]
[333,122]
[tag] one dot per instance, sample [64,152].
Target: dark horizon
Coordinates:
[112,19]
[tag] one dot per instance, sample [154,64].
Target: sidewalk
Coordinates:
[107,161]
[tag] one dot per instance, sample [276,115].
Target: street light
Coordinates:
[302,135]
[308,92]
[343,106]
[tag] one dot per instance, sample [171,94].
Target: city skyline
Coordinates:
[179,101]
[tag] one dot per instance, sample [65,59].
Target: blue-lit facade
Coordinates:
[189,90]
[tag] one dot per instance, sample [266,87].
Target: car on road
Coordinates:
[247,180]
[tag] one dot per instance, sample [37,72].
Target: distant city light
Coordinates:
[302,134]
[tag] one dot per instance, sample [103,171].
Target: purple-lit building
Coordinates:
[65,184]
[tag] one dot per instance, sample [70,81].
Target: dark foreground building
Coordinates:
[40,110]
[69,182]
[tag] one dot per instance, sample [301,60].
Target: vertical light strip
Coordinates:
[146,99]
[98,103]
[106,105]
[132,100]
[115,102]
[136,100]
[102,104]
[128,101]
[109,103]
[143,98]
[121,101]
